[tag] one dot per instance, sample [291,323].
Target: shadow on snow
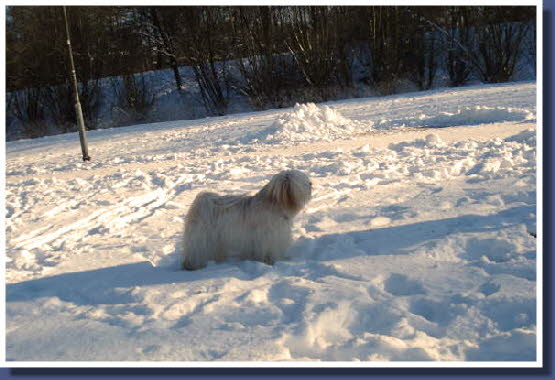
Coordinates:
[114,285]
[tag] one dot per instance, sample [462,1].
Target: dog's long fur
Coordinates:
[257,227]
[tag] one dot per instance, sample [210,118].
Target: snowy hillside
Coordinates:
[419,242]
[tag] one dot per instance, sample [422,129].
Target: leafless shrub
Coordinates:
[27,106]
[499,46]
[134,99]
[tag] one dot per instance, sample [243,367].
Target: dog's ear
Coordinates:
[280,191]
[287,191]
[288,199]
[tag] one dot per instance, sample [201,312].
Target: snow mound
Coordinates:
[433,139]
[474,115]
[308,122]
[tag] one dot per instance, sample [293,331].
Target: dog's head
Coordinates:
[291,190]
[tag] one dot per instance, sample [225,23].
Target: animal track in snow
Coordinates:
[400,285]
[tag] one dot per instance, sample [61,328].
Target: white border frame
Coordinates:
[295,364]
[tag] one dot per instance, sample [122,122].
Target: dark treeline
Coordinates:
[283,54]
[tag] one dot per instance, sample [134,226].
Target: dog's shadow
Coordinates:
[402,239]
[113,285]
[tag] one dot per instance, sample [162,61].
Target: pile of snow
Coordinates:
[308,122]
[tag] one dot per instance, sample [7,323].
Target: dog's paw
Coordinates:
[186,266]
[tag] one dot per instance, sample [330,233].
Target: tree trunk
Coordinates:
[168,47]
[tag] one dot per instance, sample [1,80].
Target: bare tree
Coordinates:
[487,40]
[499,47]
[206,39]
[419,59]
[160,27]
[531,45]
[134,99]
[315,44]
[269,76]
[459,44]
[386,48]
[27,106]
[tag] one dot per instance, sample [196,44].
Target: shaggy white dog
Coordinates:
[241,227]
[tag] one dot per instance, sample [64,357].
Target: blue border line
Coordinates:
[388,373]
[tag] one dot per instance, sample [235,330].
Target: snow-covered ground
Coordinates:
[419,242]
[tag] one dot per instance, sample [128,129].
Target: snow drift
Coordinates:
[305,123]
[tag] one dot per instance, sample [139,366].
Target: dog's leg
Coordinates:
[269,260]
[186,265]
[197,248]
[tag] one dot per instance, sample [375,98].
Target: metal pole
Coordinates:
[78,110]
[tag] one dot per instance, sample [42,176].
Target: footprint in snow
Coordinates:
[400,285]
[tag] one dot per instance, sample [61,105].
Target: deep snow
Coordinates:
[418,243]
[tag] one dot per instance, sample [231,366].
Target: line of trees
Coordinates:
[275,55]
